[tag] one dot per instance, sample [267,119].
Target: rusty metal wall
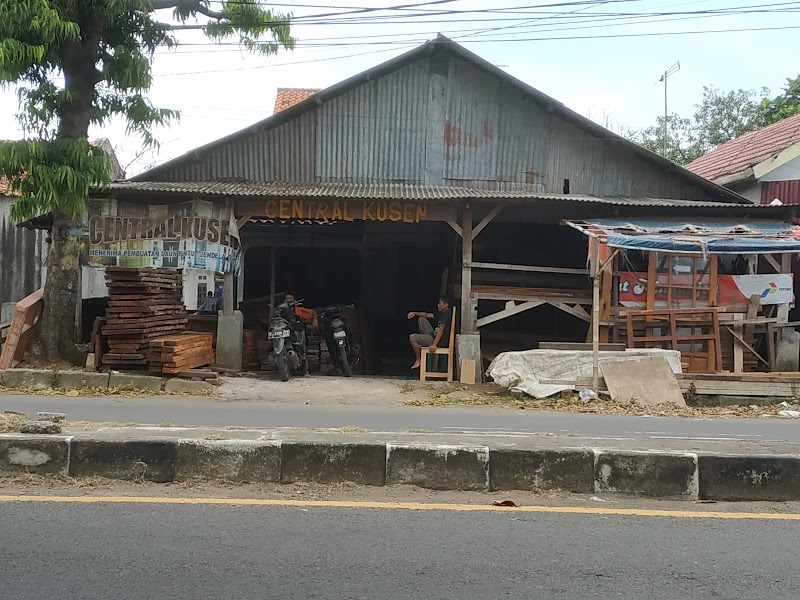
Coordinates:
[22,257]
[439,121]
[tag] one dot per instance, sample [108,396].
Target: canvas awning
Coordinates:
[717,236]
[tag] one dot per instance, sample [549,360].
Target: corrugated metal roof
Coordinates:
[235,160]
[387,191]
[747,150]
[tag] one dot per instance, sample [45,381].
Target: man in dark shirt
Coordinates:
[434,329]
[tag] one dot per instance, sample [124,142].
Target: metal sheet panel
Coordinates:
[788,192]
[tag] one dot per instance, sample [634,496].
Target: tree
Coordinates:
[783,105]
[722,116]
[104,50]
[682,143]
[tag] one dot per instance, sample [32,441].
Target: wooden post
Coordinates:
[595,313]
[468,317]
[273,274]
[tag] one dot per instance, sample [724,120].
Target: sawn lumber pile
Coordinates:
[144,304]
[174,354]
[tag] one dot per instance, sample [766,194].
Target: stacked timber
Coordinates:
[144,304]
[250,361]
[174,354]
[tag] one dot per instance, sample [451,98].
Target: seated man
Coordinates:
[306,314]
[431,334]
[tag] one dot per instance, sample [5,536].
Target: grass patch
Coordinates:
[352,429]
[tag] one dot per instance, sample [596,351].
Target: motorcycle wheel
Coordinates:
[346,369]
[283,366]
[303,370]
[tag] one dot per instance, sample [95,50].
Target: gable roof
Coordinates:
[442,43]
[732,159]
[290,96]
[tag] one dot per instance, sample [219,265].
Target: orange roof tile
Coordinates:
[4,185]
[290,96]
[747,150]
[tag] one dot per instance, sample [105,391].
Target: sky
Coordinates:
[601,58]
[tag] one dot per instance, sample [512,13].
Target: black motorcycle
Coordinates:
[288,336]
[344,353]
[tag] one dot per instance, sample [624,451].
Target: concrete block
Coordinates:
[649,474]
[787,351]
[230,336]
[568,470]
[26,454]
[75,380]
[22,378]
[236,460]
[468,347]
[364,464]
[40,427]
[151,460]
[55,417]
[756,478]
[127,381]
[187,386]
[438,467]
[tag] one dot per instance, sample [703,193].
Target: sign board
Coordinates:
[331,211]
[733,289]
[195,234]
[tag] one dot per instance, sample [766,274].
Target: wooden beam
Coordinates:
[241,221]
[457,228]
[738,353]
[527,269]
[507,312]
[745,345]
[771,260]
[468,316]
[575,311]
[596,313]
[487,219]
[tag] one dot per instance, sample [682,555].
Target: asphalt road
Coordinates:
[144,551]
[206,411]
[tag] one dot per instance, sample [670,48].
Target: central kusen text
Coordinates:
[405,212]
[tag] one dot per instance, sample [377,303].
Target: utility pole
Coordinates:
[671,71]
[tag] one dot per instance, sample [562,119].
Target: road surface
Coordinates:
[97,551]
[188,411]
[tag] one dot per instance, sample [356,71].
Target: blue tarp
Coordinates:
[706,237]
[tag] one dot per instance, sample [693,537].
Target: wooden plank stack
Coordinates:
[173,354]
[144,304]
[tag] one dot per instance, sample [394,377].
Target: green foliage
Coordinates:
[783,105]
[52,174]
[103,49]
[718,118]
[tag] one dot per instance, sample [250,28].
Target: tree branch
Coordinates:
[194,5]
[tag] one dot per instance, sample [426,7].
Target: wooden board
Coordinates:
[648,380]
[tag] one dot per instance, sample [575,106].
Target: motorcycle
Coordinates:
[344,354]
[288,336]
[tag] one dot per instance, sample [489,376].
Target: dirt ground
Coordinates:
[321,389]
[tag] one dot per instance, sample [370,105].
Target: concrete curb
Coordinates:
[77,380]
[668,475]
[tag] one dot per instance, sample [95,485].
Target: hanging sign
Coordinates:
[195,235]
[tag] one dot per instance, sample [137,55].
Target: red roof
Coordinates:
[290,96]
[747,150]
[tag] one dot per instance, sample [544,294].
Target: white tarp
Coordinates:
[524,370]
